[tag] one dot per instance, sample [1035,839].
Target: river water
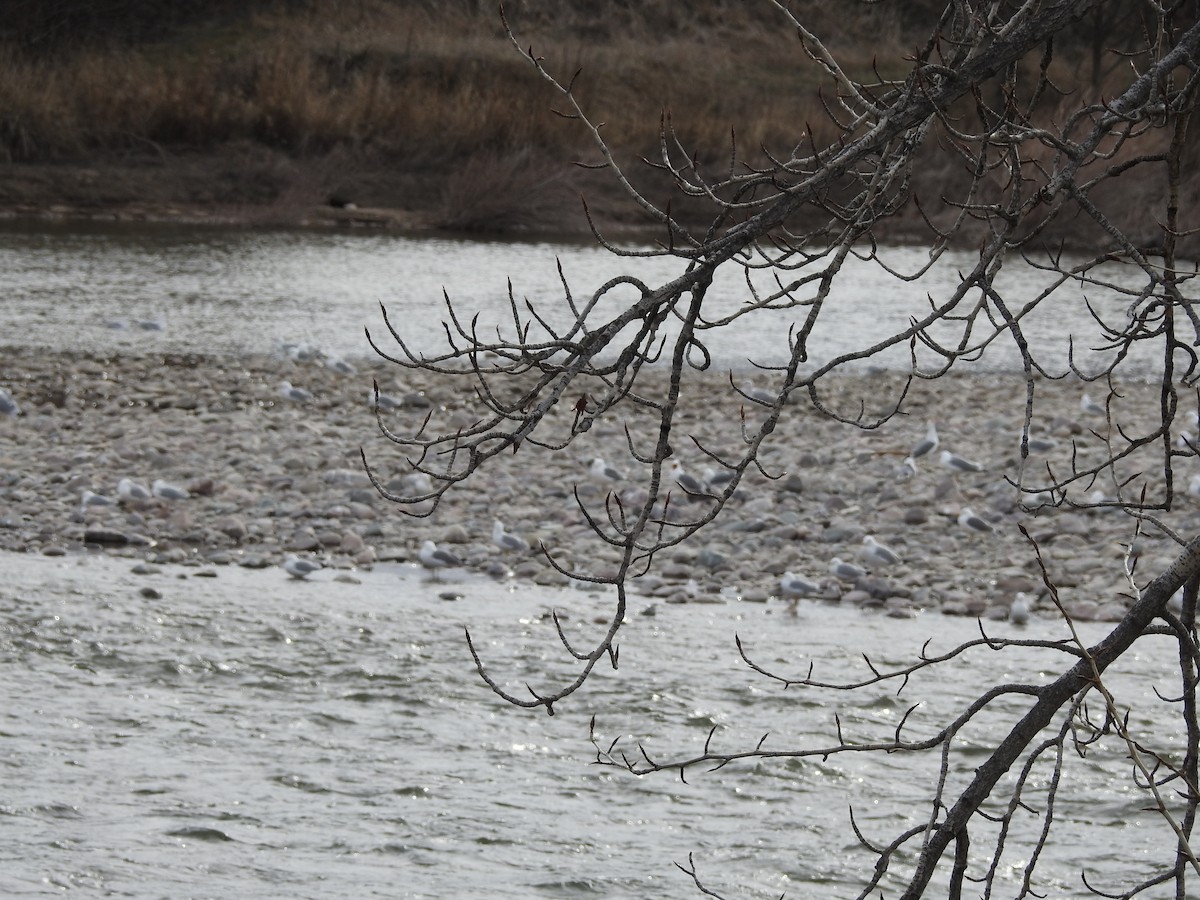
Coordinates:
[246,735]
[239,290]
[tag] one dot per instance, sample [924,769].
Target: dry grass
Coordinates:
[430,89]
[437,89]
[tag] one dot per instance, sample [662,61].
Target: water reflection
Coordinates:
[240,290]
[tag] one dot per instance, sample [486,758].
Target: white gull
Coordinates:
[89,498]
[792,585]
[878,553]
[434,559]
[507,541]
[167,491]
[602,471]
[300,568]
[968,519]
[288,391]
[8,406]
[1018,612]
[844,570]
[128,489]
[927,444]
[691,485]
[958,463]
[1091,407]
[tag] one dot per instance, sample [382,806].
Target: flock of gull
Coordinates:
[874,555]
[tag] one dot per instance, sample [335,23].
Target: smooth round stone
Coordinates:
[233,527]
[302,541]
[456,534]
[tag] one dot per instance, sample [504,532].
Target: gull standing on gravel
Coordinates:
[300,568]
[1037,444]
[128,489]
[877,553]
[507,541]
[1193,487]
[691,485]
[927,444]
[1018,612]
[968,519]
[758,394]
[89,498]
[339,365]
[715,479]
[417,483]
[792,585]
[377,399]
[289,391]
[1091,407]
[434,559]
[844,570]
[8,406]
[958,463]
[602,471]
[166,491]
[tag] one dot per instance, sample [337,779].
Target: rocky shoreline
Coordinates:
[268,476]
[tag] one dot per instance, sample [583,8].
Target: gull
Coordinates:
[507,541]
[968,519]
[1193,487]
[716,479]
[296,394]
[908,468]
[166,491]
[88,498]
[757,394]
[302,352]
[602,471]
[877,553]
[377,399]
[1018,612]
[433,559]
[691,485]
[1037,444]
[128,489]
[1037,499]
[300,568]
[417,483]
[1175,604]
[845,571]
[958,463]
[792,585]
[927,444]
[8,406]
[1091,407]
[339,365]
[149,324]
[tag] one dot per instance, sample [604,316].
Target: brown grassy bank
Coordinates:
[422,113]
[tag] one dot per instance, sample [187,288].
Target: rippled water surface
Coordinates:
[224,290]
[250,736]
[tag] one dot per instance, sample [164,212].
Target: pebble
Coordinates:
[268,478]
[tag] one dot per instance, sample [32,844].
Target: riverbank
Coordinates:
[426,117]
[268,477]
